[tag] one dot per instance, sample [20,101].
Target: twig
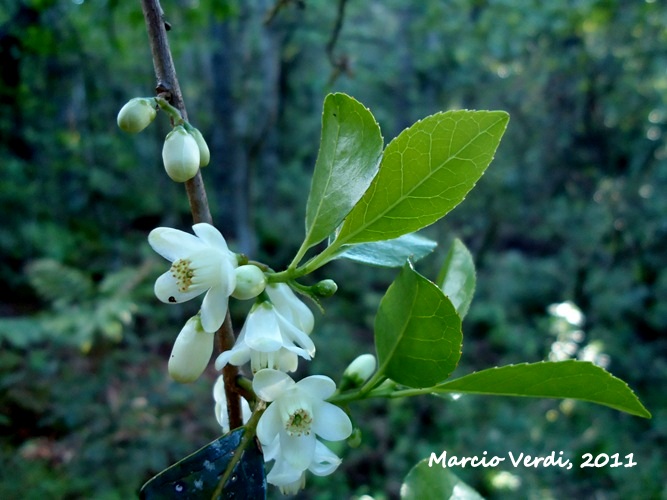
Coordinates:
[278,6]
[340,64]
[169,88]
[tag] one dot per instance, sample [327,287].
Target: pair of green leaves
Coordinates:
[418,340]
[363,194]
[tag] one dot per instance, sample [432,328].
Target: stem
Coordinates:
[168,88]
[378,392]
[246,440]
[315,263]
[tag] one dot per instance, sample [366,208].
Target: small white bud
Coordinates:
[191,352]
[136,115]
[204,153]
[359,371]
[180,155]
[250,282]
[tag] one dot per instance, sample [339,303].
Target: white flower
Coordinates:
[221,406]
[191,352]
[200,263]
[291,480]
[269,340]
[289,427]
[290,307]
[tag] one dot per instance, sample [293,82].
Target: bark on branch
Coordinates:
[168,87]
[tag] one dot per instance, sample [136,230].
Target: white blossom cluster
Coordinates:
[275,334]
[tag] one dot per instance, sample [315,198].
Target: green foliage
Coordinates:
[350,149]
[562,379]
[457,277]
[570,211]
[389,253]
[425,172]
[417,332]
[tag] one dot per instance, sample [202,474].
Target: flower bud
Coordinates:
[325,288]
[358,371]
[250,282]
[204,153]
[355,438]
[191,352]
[136,115]
[180,155]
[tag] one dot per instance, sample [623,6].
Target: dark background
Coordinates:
[572,209]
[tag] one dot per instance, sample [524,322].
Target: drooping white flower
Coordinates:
[191,352]
[200,263]
[291,307]
[220,399]
[289,427]
[269,340]
[291,480]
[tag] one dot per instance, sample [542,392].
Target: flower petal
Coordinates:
[166,289]
[288,361]
[317,387]
[237,356]
[290,306]
[173,244]
[219,390]
[271,451]
[229,276]
[298,450]
[210,235]
[269,425]
[296,335]
[282,474]
[214,309]
[262,329]
[269,384]
[324,461]
[330,422]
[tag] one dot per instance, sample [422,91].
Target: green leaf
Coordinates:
[348,159]
[417,331]
[561,379]
[425,172]
[22,331]
[435,482]
[391,253]
[457,277]
[59,283]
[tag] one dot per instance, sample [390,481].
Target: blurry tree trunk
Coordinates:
[246,65]
[11,49]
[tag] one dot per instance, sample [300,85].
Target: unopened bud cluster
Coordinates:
[184,150]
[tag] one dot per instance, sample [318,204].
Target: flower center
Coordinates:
[183,273]
[299,423]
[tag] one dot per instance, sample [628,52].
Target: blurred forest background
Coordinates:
[569,213]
